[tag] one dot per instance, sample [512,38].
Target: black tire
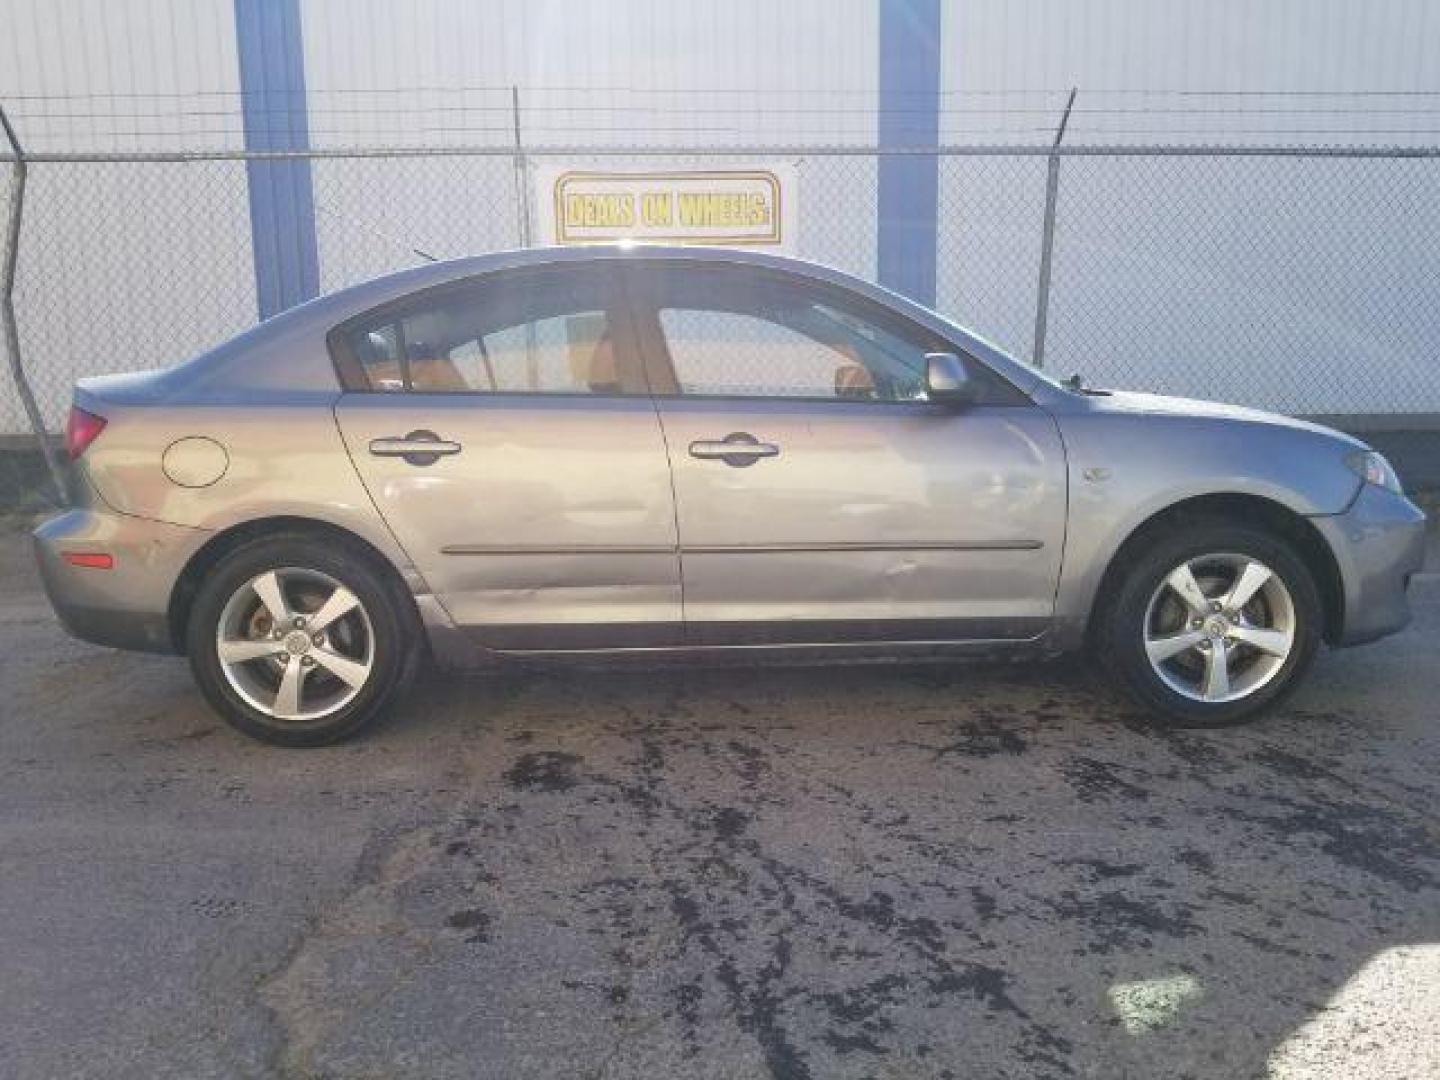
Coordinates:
[391,631]
[1121,624]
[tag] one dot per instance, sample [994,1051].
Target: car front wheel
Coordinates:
[295,642]
[1212,623]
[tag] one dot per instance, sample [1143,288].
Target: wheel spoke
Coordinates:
[238,650]
[1182,580]
[342,601]
[287,698]
[1274,642]
[1163,648]
[1217,674]
[1251,580]
[351,672]
[267,588]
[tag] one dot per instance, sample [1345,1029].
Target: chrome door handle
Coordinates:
[418,448]
[738,449]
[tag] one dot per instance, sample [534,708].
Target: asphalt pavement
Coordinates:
[893,871]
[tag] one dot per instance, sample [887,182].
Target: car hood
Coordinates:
[1128,401]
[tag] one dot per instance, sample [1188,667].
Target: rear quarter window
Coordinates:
[547,331]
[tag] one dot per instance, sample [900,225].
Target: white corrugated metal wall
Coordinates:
[1300,285]
[627,71]
[622,73]
[124,267]
[154,74]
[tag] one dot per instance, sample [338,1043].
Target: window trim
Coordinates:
[630,365]
[660,366]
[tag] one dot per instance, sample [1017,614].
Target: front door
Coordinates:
[819,497]
[510,442]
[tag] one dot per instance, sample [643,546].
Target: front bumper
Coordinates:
[1379,544]
[125,607]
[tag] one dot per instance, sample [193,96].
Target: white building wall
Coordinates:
[1270,282]
[115,75]
[1290,284]
[1246,45]
[627,73]
[124,266]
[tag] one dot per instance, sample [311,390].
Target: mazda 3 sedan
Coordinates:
[599,452]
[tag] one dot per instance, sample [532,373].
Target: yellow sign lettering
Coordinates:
[735,206]
[600,211]
[656,209]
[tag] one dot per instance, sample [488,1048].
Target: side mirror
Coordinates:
[947,381]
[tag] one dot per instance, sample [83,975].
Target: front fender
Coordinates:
[1127,468]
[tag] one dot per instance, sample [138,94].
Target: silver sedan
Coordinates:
[685,452]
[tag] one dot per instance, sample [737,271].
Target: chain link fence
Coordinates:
[1304,281]
[1296,283]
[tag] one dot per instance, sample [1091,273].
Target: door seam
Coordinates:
[641,342]
[414,567]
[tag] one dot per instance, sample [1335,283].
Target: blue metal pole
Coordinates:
[282,201]
[909,117]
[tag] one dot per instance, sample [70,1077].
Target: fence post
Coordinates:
[1047,240]
[19,171]
[522,172]
[522,192]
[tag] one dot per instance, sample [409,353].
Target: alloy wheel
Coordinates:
[296,644]
[1219,627]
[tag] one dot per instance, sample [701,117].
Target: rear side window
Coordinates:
[556,331]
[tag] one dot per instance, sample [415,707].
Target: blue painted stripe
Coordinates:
[909,117]
[282,201]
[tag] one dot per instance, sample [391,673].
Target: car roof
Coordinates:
[359,298]
[288,352]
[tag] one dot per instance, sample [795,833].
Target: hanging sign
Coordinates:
[749,206]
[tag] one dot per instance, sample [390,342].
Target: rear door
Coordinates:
[504,429]
[820,497]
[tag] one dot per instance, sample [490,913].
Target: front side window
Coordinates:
[735,333]
[554,332]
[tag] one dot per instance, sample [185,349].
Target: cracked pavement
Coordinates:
[963,871]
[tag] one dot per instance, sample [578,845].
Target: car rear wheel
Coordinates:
[296,642]
[1213,623]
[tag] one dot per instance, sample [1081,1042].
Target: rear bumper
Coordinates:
[125,607]
[1379,544]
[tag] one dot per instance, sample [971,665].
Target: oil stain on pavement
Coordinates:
[803,874]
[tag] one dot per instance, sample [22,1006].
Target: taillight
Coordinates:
[81,430]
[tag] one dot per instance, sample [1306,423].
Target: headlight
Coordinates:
[1372,467]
